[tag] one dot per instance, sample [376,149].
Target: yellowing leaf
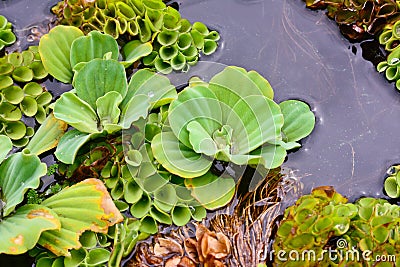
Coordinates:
[81,207]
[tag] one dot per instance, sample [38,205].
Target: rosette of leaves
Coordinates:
[7,37]
[391,67]
[359,19]
[106,105]
[149,25]
[20,95]
[233,119]
[318,220]
[47,224]
[392,182]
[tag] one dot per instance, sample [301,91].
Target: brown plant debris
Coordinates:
[238,235]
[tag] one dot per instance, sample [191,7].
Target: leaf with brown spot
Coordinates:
[81,207]
[21,231]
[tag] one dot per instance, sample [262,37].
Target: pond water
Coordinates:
[303,55]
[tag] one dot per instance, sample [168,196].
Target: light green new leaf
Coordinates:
[70,144]
[137,108]
[89,197]
[76,112]
[18,173]
[272,156]
[194,103]
[211,191]
[99,77]
[5,146]
[135,50]
[157,87]
[94,45]
[177,158]
[299,120]
[251,128]
[47,136]
[21,231]
[55,48]
[107,107]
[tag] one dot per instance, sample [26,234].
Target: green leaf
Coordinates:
[89,197]
[55,48]
[299,121]
[21,231]
[5,147]
[70,144]
[98,256]
[392,188]
[211,191]
[99,77]
[177,158]
[107,108]
[94,45]
[47,136]
[181,215]
[18,173]
[135,50]
[157,87]
[76,112]
[137,107]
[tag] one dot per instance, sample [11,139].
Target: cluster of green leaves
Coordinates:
[20,95]
[358,19]
[392,182]
[390,36]
[233,118]
[7,37]
[391,66]
[95,248]
[317,220]
[174,43]
[47,223]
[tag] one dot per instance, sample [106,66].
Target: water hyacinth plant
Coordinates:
[174,43]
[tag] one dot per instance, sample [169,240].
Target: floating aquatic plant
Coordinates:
[232,119]
[47,224]
[7,37]
[390,37]
[174,43]
[359,19]
[20,95]
[391,67]
[324,220]
[107,105]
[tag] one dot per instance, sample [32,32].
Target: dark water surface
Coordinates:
[303,55]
